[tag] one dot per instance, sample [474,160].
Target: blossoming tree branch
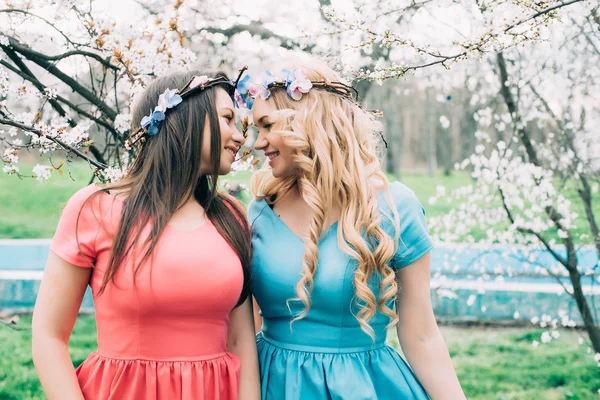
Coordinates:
[76,71]
[69,71]
[77,68]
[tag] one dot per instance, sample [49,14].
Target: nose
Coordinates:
[261,141]
[238,138]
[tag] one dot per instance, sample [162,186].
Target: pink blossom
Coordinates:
[198,81]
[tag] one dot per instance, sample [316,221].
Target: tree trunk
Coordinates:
[391,164]
[430,136]
[444,149]
[584,309]
[571,261]
[445,143]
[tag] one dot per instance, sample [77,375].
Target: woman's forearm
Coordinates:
[55,369]
[430,360]
[242,343]
[249,375]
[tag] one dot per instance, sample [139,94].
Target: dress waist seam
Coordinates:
[320,349]
[200,358]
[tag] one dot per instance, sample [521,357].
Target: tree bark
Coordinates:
[430,136]
[571,263]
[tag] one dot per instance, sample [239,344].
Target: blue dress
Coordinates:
[326,355]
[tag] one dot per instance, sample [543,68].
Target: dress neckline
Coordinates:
[332,227]
[168,226]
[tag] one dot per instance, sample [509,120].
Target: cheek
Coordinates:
[288,151]
[287,155]
[276,141]
[206,145]
[225,132]
[206,140]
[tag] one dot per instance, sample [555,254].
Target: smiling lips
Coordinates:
[233,150]
[272,154]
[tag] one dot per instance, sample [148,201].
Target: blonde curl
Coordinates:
[335,155]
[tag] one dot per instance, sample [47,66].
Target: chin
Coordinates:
[224,170]
[281,174]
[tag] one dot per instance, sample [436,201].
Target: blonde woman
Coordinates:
[340,254]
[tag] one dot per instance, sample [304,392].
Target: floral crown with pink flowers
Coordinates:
[150,124]
[294,81]
[296,84]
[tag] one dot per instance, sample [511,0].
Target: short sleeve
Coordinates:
[414,240]
[75,237]
[235,206]
[255,210]
[235,202]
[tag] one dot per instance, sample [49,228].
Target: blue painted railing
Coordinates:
[468,282]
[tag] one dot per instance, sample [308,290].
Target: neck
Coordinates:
[333,210]
[297,189]
[187,200]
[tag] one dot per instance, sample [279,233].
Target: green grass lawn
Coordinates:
[34,207]
[31,209]
[492,363]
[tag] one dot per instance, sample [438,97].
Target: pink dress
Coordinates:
[165,336]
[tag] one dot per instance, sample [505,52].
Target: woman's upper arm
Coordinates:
[257,316]
[414,280]
[241,321]
[59,297]
[414,302]
[413,237]
[69,266]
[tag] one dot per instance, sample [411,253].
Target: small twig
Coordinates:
[255,28]
[540,13]
[55,140]
[51,68]
[13,10]
[412,6]
[105,62]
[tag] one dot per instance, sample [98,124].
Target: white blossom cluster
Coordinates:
[112,174]
[123,122]
[552,326]
[443,32]
[42,172]
[134,52]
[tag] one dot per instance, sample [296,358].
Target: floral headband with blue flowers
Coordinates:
[294,81]
[150,124]
[296,84]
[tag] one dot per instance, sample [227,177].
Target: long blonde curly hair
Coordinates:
[335,142]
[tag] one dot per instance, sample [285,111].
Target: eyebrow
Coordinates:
[227,109]
[261,119]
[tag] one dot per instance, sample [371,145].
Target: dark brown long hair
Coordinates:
[166,173]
